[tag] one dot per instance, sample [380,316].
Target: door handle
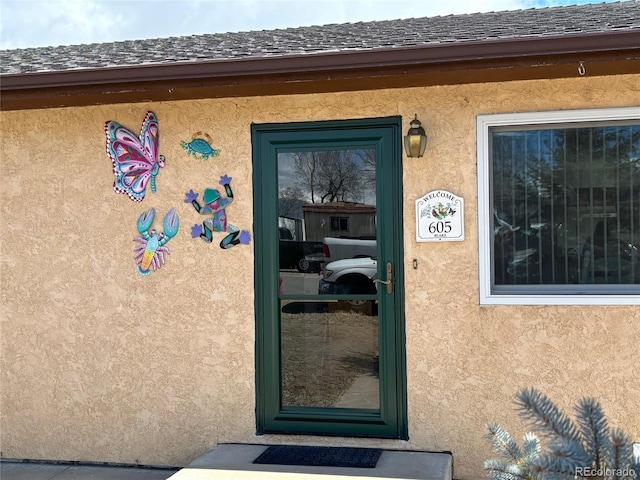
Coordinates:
[389,281]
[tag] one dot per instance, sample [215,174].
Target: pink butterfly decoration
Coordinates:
[135,159]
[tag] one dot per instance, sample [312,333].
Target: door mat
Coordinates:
[320,456]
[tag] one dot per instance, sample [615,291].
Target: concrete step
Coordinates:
[17,470]
[235,462]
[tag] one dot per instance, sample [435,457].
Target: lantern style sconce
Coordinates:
[416,139]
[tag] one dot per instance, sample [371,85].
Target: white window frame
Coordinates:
[485,215]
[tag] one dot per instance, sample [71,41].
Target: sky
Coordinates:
[37,23]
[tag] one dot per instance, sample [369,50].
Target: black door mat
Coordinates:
[320,456]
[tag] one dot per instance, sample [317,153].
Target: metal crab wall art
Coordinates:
[200,146]
[150,250]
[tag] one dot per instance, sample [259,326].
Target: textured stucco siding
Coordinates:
[100,363]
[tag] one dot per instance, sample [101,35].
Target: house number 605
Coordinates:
[440,227]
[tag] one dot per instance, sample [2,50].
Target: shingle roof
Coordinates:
[361,36]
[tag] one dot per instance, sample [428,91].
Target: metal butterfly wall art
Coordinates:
[135,159]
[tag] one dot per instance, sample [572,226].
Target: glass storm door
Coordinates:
[329,291]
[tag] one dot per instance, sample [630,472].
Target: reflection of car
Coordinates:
[542,254]
[337,248]
[619,262]
[293,253]
[351,276]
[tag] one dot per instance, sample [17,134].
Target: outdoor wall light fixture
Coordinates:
[415,141]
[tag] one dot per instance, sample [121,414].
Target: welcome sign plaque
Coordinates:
[440,217]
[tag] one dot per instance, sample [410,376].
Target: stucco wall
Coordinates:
[100,363]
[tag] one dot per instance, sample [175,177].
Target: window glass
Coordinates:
[564,208]
[339,223]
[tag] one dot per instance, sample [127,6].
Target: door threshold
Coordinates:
[229,461]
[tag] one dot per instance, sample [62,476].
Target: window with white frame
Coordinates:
[559,207]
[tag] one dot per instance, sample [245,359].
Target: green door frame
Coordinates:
[385,135]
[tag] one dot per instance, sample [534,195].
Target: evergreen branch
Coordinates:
[594,430]
[542,413]
[549,472]
[502,471]
[566,456]
[590,446]
[531,447]
[620,450]
[503,443]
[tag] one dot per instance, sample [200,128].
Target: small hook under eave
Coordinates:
[581,69]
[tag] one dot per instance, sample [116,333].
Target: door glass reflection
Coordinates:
[324,195]
[329,354]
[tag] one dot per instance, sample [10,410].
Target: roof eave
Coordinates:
[510,54]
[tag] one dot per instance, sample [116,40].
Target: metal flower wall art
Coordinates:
[135,159]
[215,206]
[200,146]
[150,247]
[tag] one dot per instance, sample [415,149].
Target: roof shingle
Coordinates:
[361,36]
